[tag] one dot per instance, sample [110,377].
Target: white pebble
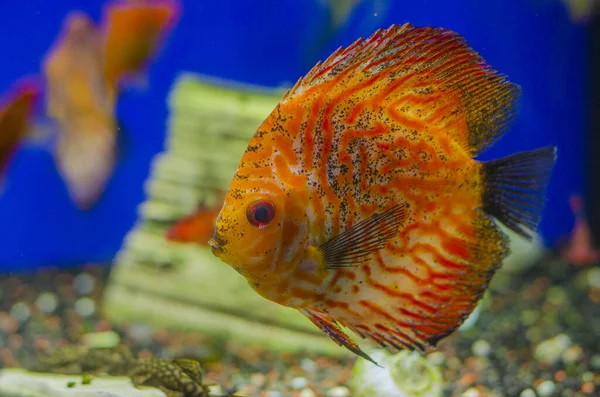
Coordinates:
[84,283]
[546,388]
[527,393]
[85,307]
[338,391]
[20,311]
[481,348]
[307,393]
[299,383]
[436,358]
[308,365]
[47,302]
[258,379]
[550,350]
[140,332]
[593,277]
[472,392]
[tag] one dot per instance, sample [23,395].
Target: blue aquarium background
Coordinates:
[273,43]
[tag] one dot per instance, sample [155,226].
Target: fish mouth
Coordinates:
[216,243]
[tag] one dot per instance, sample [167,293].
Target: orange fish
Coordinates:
[83,70]
[78,100]
[359,203]
[133,32]
[196,228]
[15,113]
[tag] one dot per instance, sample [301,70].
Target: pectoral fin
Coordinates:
[353,246]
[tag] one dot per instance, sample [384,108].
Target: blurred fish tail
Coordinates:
[86,162]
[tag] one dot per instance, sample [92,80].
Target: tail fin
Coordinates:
[515,187]
[133,34]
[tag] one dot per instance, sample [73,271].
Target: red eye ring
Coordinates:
[260,213]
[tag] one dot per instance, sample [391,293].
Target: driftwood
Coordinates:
[183,286]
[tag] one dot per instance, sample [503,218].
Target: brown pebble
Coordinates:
[595,295]
[468,379]
[588,387]
[560,376]
[15,341]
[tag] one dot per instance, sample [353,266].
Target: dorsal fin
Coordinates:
[432,69]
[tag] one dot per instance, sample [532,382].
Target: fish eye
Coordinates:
[260,213]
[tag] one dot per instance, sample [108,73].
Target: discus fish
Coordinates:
[15,114]
[79,102]
[358,201]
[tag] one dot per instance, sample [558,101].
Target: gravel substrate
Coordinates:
[537,336]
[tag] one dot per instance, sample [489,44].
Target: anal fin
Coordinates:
[333,330]
[515,188]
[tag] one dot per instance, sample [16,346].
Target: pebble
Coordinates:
[85,307]
[306,392]
[299,383]
[142,333]
[546,388]
[529,317]
[84,283]
[436,358]
[338,391]
[274,394]
[471,392]
[595,361]
[20,311]
[556,295]
[587,377]
[550,350]
[593,277]
[527,393]
[572,354]
[258,379]
[47,302]
[481,348]
[308,365]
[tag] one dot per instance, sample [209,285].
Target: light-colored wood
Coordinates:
[183,286]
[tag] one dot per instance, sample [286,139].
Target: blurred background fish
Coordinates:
[338,17]
[579,247]
[133,34]
[16,109]
[84,70]
[199,227]
[581,11]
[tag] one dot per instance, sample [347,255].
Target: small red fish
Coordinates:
[16,109]
[359,201]
[197,228]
